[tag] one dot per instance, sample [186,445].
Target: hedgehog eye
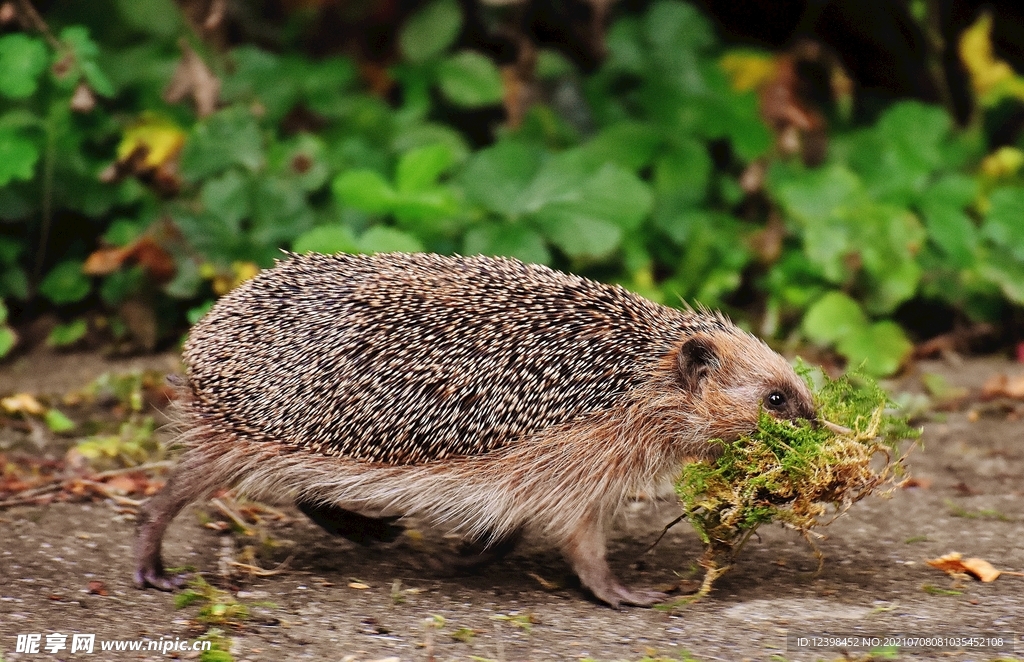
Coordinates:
[776,400]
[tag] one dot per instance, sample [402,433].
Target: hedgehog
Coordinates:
[485,395]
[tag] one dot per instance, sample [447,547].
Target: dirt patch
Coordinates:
[874,580]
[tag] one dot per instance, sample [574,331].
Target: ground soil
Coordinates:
[874,580]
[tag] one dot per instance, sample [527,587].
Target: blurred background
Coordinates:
[840,175]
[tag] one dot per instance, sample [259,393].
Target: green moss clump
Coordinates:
[794,473]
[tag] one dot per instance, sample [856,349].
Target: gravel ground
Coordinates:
[874,580]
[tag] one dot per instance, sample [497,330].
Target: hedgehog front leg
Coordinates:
[586,551]
[193,477]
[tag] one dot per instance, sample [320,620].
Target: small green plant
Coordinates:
[524,622]
[981,513]
[464,634]
[931,589]
[791,472]
[134,444]
[218,607]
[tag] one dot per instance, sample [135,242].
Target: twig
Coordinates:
[257,571]
[162,464]
[232,515]
[105,491]
[32,17]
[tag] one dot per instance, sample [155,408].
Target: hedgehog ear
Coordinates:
[696,358]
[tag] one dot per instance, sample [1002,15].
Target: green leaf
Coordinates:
[160,18]
[1006,272]
[879,349]
[226,138]
[1004,223]
[559,179]
[63,335]
[626,53]
[364,190]
[581,236]
[892,286]
[470,79]
[3,312]
[948,225]
[65,283]
[628,144]
[382,239]
[833,318]
[497,176]
[86,51]
[18,157]
[195,314]
[681,176]
[431,30]
[589,220]
[672,25]
[22,60]
[227,197]
[420,135]
[57,421]
[8,339]
[814,197]
[618,196]
[897,157]
[327,239]
[122,284]
[508,240]
[552,64]
[420,168]
[281,213]
[418,206]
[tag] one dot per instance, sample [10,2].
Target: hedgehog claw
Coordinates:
[147,575]
[640,597]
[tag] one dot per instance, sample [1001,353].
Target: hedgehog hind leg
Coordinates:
[350,525]
[586,551]
[193,477]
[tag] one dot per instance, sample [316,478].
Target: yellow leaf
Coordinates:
[161,139]
[748,71]
[992,78]
[222,283]
[1004,162]
[23,403]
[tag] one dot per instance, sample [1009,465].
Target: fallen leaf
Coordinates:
[954,564]
[981,569]
[23,403]
[122,484]
[193,78]
[1003,386]
[97,587]
[358,585]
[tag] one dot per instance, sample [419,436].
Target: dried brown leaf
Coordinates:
[192,78]
[954,564]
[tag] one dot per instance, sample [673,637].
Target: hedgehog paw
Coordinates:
[616,595]
[152,574]
[640,597]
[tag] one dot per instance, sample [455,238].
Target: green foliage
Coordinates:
[22,60]
[64,335]
[637,181]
